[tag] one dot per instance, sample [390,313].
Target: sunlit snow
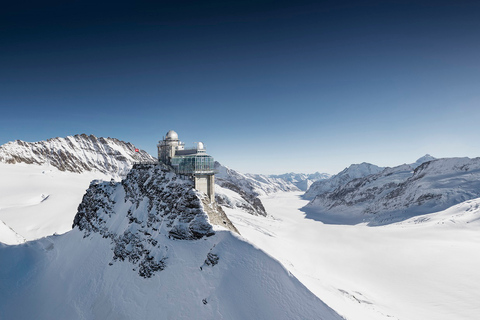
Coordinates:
[423,268]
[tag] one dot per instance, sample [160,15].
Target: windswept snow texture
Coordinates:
[302,181]
[78,153]
[396,194]
[143,249]
[237,190]
[348,174]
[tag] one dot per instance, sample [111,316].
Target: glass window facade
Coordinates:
[197,163]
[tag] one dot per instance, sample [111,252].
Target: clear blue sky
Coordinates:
[268,86]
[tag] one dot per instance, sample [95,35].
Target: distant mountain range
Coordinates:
[302,181]
[238,190]
[361,192]
[247,188]
[335,181]
[385,195]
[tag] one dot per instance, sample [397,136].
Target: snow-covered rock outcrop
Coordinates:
[398,193]
[78,153]
[302,181]
[144,248]
[238,190]
[348,174]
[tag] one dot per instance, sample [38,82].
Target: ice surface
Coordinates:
[424,268]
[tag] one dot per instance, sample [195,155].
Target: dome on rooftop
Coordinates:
[171,135]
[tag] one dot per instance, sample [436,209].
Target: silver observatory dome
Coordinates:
[171,135]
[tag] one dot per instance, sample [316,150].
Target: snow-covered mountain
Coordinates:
[302,181]
[237,190]
[78,153]
[145,248]
[398,193]
[352,172]
[422,160]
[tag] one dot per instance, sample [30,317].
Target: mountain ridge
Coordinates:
[77,153]
[401,192]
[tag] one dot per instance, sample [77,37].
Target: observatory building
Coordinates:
[194,162]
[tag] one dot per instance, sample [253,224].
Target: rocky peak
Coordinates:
[421,160]
[152,203]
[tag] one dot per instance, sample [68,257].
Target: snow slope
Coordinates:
[144,249]
[8,235]
[425,268]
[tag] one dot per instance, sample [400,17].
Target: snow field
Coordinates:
[402,271]
[37,201]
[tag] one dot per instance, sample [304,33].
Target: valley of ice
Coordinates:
[418,268]
[426,267]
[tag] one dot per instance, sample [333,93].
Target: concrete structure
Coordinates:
[194,163]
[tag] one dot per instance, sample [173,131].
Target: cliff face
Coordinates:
[78,153]
[151,203]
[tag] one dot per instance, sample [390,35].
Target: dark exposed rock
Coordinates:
[212,259]
[150,205]
[252,203]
